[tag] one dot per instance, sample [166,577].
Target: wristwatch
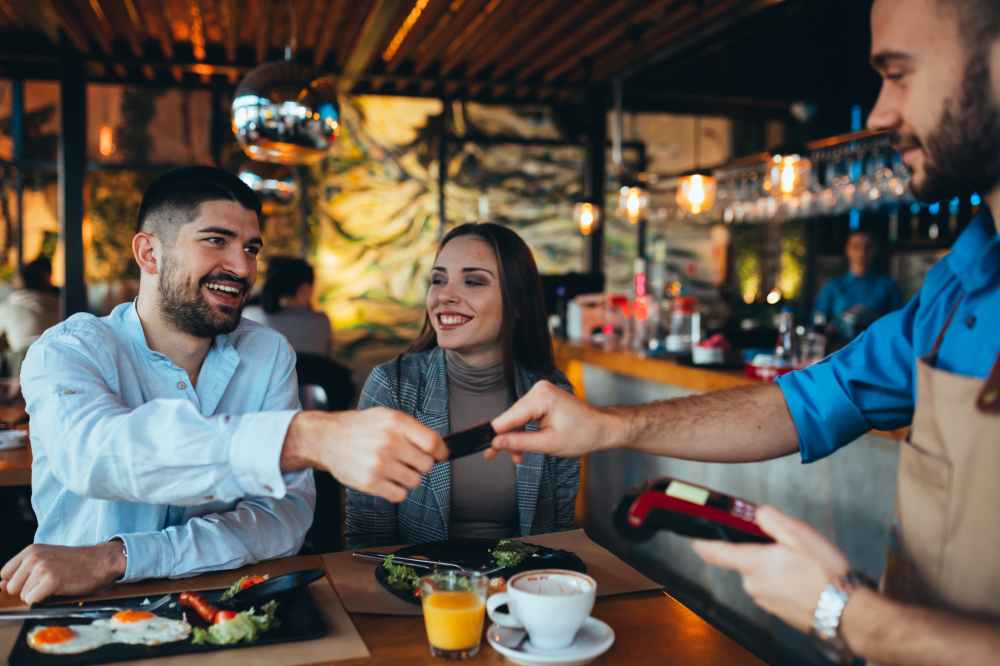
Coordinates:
[826,619]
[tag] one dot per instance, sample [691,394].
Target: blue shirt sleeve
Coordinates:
[867,385]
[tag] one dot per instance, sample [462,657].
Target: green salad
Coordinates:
[401,577]
[238,586]
[246,626]
[511,553]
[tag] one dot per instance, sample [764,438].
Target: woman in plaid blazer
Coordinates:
[509,325]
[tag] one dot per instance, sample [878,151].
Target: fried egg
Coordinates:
[128,626]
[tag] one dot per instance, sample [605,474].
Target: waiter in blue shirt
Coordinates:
[852,302]
[935,364]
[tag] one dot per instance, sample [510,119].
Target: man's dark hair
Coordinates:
[175,198]
[978,21]
[37,275]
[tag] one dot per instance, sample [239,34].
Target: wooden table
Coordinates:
[15,464]
[650,628]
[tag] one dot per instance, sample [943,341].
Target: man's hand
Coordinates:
[785,578]
[566,426]
[40,571]
[378,451]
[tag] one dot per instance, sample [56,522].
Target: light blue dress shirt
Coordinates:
[188,477]
[871,383]
[875,292]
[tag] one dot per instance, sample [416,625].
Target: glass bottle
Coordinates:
[784,350]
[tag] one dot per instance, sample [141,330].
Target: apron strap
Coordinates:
[947,323]
[989,397]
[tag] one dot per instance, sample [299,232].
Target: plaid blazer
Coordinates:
[546,485]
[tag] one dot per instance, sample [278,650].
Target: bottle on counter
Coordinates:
[685,324]
[813,345]
[785,351]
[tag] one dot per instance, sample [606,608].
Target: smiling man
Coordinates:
[167,437]
[934,364]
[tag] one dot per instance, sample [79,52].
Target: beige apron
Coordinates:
[944,546]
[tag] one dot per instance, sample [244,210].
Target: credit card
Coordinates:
[469,441]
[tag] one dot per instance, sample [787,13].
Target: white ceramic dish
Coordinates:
[594,639]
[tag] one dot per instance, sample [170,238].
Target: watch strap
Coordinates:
[826,619]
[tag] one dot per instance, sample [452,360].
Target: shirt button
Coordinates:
[181,385]
[267,489]
[209,498]
[69,391]
[970,322]
[158,355]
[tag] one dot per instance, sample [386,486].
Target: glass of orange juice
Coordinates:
[454,605]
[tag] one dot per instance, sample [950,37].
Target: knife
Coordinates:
[50,614]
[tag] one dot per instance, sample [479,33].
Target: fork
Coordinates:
[426,564]
[78,611]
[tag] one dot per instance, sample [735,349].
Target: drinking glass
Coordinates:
[454,606]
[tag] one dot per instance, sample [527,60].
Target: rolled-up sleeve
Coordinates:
[162,452]
[867,385]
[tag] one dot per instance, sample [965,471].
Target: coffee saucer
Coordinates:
[592,640]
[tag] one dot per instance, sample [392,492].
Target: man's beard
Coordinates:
[185,309]
[963,154]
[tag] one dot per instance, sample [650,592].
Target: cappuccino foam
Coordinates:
[552,584]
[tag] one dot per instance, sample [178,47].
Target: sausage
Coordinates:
[205,608]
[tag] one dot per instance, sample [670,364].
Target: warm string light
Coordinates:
[404,30]
[105,144]
[587,216]
[696,193]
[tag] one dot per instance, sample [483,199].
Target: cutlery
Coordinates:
[44,613]
[426,564]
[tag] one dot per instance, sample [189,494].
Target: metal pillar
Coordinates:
[594,172]
[72,162]
[304,210]
[17,132]
[442,174]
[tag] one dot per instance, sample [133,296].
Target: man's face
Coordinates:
[860,253]
[938,99]
[207,274]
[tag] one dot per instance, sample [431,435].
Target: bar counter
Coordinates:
[848,496]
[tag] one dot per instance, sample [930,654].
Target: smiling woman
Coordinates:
[484,343]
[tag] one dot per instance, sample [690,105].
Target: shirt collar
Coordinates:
[134,328]
[975,256]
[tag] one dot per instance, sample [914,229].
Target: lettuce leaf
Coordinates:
[234,588]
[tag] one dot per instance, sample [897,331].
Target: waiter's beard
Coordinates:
[185,309]
[963,154]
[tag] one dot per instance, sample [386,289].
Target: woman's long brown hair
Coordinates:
[524,332]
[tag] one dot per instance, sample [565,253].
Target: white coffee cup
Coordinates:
[550,604]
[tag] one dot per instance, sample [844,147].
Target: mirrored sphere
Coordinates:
[284,112]
[273,183]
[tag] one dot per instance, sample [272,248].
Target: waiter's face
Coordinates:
[860,252]
[939,97]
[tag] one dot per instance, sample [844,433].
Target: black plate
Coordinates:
[300,621]
[475,554]
[276,588]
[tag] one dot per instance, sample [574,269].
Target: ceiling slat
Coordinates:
[428,19]
[134,32]
[41,15]
[548,34]
[309,30]
[196,25]
[436,43]
[152,11]
[356,15]
[334,19]
[608,36]
[280,28]
[488,29]
[70,24]
[370,36]
[228,22]
[262,21]
[302,11]
[516,35]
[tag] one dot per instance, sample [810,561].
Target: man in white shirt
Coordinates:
[166,437]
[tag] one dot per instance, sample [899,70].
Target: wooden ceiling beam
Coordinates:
[70,24]
[41,14]
[370,36]
[428,18]
[515,36]
[605,38]
[334,18]
[134,31]
[229,22]
[356,16]
[302,10]
[435,44]
[484,39]
[279,36]
[168,25]
[310,27]
[262,20]
[486,28]
[102,29]
[196,22]
[562,25]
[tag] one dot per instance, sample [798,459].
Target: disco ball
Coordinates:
[273,183]
[285,112]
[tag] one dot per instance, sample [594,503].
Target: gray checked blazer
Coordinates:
[546,485]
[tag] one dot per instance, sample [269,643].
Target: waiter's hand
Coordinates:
[41,571]
[567,426]
[785,578]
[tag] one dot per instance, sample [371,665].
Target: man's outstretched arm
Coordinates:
[738,425]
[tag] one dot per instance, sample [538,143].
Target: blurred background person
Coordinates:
[485,342]
[286,306]
[26,314]
[852,302]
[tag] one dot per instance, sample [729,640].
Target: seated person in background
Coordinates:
[286,306]
[166,436]
[852,302]
[485,343]
[28,312]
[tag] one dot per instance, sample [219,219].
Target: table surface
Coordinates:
[650,628]
[15,464]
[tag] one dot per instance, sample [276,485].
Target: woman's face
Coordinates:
[464,301]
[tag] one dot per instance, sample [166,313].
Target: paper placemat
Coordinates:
[341,641]
[360,592]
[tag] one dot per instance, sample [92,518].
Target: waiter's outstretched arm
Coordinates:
[738,425]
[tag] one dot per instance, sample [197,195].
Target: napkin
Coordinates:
[355,581]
